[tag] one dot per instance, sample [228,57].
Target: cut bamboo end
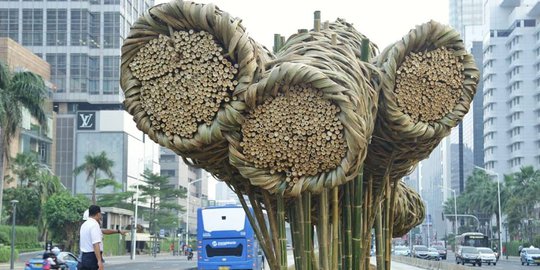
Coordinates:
[294,133]
[185,79]
[429,84]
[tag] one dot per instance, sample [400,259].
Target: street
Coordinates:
[163,262]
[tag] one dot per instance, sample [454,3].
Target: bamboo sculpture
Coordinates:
[317,134]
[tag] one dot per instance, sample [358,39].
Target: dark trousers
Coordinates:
[88,261]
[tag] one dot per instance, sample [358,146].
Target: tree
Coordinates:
[26,167]
[17,90]
[28,207]
[64,215]
[46,186]
[522,192]
[92,165]
[116,198]
[162,197]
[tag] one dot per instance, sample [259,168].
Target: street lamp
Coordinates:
[455,213]
[498,202]
[13,218]
[187,208]
[134,226]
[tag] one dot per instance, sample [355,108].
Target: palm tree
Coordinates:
[92,165]
[17,90]
[26,167]
[47,184]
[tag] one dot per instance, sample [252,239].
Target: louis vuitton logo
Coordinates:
[86,120]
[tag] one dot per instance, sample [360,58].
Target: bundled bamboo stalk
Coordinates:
[309,116]
[408,210]
[428,83]
[184,67]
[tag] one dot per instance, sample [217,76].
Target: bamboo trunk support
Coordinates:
[323,231]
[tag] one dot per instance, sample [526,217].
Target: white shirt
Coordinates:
[90,234]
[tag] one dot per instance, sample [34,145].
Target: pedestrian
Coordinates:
[91,240]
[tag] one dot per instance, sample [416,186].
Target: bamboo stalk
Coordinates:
[379,239]
[323,231]
[335,227]
[295,233]
[259,215]
[282,252]
[347,233]
[386,229]
[308,232]
[391,221]
[300,225]
[274,223]
[271,261]
[357,221]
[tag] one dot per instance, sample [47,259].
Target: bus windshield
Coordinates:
[473,240]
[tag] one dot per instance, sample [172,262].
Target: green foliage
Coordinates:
[27,212]
[162,200]
[114,245]
[4,238]
[63,213]
[25,236]
[26,167]
[5,254]
[92,165]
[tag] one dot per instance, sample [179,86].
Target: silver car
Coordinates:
[402,251]
[487,255]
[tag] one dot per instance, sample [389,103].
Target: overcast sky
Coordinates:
[382,21]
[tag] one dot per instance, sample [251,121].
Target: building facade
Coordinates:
[81,41]
[183,176]
[31,137]
[511,101]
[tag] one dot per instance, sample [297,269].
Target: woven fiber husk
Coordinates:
[409,210]
[397,134]
[346,81]
[208,144]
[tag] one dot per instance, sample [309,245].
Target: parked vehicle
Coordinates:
[468,255]
[488,256]
[433,254]
[69,260]
[402,251]
[442,251]
[530,255]
[420,251]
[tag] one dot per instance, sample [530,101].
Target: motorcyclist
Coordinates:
[189,251]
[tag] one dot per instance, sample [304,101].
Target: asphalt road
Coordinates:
[150,263]
[512,263]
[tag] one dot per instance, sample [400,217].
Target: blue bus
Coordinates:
[225,240]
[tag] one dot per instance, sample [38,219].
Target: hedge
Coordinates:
[26,236]
[114,245]
[5,254]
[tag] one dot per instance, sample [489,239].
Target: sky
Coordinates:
[382,21]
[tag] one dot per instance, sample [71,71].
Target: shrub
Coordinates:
[4,238]
[26,236]
[5,254]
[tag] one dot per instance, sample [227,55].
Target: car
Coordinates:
[420,251]
[433,254]
[487,255]
[402,251]
[468,255]
[36,263]
[442,251]
[530,255]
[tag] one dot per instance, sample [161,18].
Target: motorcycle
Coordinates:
[190,256]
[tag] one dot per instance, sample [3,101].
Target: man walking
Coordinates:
[91,240]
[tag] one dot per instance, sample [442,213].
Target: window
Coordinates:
[529,23]
[78,73]
[94,41]
[167,158]
[9,23]
[111,74]
[168,173]
[79,27]
[111,2]
[111,30]
[56,27]
[58,70]
[32,27]
[515,131]
[93,74]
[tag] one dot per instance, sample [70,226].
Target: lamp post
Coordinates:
[187,208]
[498,202]
[134,227]
[13,218]
[455,213]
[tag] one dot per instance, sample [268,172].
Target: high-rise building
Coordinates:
[511,99]
[186,177]
[30,137]
[81,41]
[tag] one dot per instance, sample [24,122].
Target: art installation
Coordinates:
[317,133]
